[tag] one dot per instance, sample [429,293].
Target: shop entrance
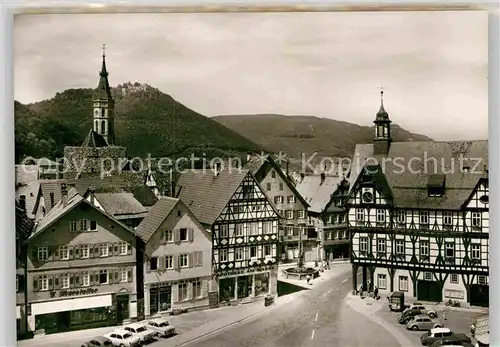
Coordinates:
[160,299]
[122,312]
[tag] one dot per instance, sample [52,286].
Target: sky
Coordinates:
[433,65]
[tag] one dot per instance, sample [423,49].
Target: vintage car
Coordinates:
[436,334]
[422,322]
[139,329]
[123,338]
[425,310]
[408,315]
[161,327]
[99,341]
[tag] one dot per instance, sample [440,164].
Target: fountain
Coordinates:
[300,271]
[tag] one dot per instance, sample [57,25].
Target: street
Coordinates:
[318,317]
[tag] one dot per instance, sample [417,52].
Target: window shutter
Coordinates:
[190,259]
[200,258]
[35,283]
[161,262]
[130,275]
[191,234]
[72,280]
[34,254]
[76,252]
[77,280]
[50,253]
[56,253]
[111,249]
[70,252]
[97,251]
[51,282]
[96,277]
[175,259]
[148,266]
[163,236]
[57,282]
[129,248]
[116,249]
[91,251]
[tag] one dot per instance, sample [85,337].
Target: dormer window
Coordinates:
[436,185]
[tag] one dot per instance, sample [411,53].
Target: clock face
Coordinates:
[96,112]
[367,197]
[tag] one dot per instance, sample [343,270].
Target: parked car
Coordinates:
[123,338]
[422,322]
[99,341]
[436,334]
[140,330]
[450,341]
[425,310]
[409,315]
[161,327]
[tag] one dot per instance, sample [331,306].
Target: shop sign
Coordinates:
[244,271]
[454,293]
[69,293]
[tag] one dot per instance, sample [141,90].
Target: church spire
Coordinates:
[382,139]
[103,91]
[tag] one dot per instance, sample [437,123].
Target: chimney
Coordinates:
[249,156]
[286,168]
[22,202]
[172,188]
[322,177]
[91,195]
[302,175]
[217,168]
[64,194]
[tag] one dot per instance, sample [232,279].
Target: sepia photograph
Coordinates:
[253,179]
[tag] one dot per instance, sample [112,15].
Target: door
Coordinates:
[122,307]
[479,295]
[429,291]
[165,298]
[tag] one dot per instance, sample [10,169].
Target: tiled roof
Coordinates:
[255,163]
[156,215]
[24,224]
[120,203]
[94,139]
[205,194]
[317,192]
[46,188]
[27,184]
[408,176]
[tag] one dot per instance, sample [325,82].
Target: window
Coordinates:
[103,277]
[239,253]
[382,281]
[267,227]
[289,214]
[401,217]
[380,216]
[93,225]
[424,248]
[104,250]
[65,281]
[281,185]
[43,282]
[183,260]
[341,218]
[197,289]
[254,228]
[424,218]
[83,224]
[341,234]
[268,186]
[84,250]
[72,226]
[475,251]
[247,192]
[289,230]
[183,234]
[183,291]
[224,230]
[403,283]
[238,230]
[253,251]
[222,255]
[302,214]
[153,263]
[481,279]
[363,244]
[43,253]
[360,215]
[447,218]
[169,262]
[290,199]
[278,199]
[273,174]
[179,213]
[169,235]
[267,250]
[476,220]
[123,248]
[64,252]
[449,249]
[400,246]
[428,276]
[454,278]
[381,245]
[124,275]
[85,279]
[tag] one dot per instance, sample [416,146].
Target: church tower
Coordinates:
[104,106]
[382,140]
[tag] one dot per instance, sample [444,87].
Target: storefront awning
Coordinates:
[71,304]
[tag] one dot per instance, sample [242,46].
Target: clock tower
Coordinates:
[382,137]
[103,123]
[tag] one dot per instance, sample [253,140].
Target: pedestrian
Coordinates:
[308,278]
[375,293]
[328,265]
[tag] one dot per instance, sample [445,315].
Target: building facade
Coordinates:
[81,268]
[177,258]
[296,233]
[423,230]
[244,227]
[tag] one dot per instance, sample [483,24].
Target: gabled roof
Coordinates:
[317,191]
[46,188]
[24,224]
[120,203]
[94,139]
[408,175]
[258,164]
[156,215]
[205,194]
[27,185]
[59,210]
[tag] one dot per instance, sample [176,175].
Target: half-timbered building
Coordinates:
[418,216]
[296,233]
[243,224]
